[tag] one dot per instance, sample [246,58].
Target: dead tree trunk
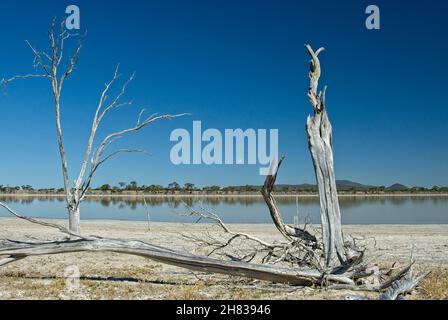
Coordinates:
[74,218]
[320,144]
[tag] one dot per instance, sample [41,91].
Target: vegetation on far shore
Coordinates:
[174,188]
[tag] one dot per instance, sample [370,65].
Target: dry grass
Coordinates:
[18,286]
[133,278]
[435,286]
[187,292]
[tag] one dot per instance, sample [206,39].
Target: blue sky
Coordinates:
[235,64]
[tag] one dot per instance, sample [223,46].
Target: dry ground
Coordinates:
[117,276]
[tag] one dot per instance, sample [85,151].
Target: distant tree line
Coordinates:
[189,188]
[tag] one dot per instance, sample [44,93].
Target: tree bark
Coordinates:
[289,232]
[74,219]
[320,143]
[319,138]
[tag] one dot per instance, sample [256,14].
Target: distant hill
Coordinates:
[340,185]
[347,185]
[397,187]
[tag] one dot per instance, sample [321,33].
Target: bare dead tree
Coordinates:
[320,142]
[50,65]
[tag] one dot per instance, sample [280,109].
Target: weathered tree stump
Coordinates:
[320,143]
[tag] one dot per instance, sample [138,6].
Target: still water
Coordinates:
[240,209]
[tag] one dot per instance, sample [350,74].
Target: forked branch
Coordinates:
[289,232]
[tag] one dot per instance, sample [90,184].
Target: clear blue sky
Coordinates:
[236,64]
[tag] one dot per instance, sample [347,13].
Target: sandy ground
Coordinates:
[117,276]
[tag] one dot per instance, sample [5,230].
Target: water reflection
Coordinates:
[242,209]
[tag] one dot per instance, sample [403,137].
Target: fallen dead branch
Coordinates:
[296,276]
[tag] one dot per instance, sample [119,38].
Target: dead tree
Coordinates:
[320,143]
[303,258]
[50,65]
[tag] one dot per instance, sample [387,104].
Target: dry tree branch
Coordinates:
[401,287]
[38,58]
[317,100]
[83,183]
[289,232]
[50,70]
[95,124]
[25,76]
[295,251]
[97,158]
[205,214]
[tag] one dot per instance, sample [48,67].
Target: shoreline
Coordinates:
[233,224]
[223,195]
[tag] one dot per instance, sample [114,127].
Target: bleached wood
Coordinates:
[288,231]
[294,276]
[401,287]
[320,144]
